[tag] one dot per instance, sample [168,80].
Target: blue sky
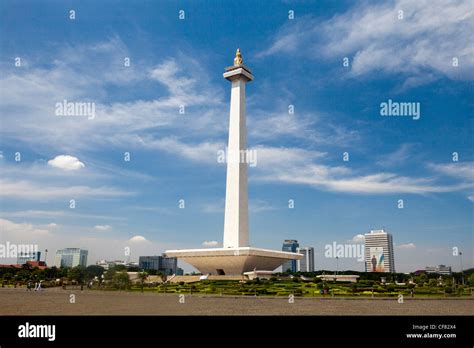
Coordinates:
[300,156]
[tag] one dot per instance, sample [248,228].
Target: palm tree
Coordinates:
[142,276]
[162,275]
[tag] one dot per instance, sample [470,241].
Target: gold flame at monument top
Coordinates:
[238,60]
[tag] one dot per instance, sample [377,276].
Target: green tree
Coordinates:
[77,273]
[470,280]
[52,273]
[152,271]
[353,287]
[23,274]
[109,275]
[421,279]
[120,280]
[93,271]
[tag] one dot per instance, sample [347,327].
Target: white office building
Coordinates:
[379,252]
[71,257]
[306,264]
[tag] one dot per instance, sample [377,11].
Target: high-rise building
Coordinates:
[290,245]
[306,264]
[23,258]
[167,265]
[71,257]
[379,252]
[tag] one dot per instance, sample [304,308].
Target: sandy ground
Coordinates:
[57,302]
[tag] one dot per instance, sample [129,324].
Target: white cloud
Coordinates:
[359,238]
[52,225]
[137,239]
[421,45]
[471,198]
[406,246]
[210,243]
[66,162]
[102,227]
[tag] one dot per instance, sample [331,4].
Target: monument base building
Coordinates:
[233,261]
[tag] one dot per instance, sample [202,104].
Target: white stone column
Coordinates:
[236,232]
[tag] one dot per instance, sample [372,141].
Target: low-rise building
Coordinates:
[440,269]
[23,258]
[339,278]
[167,265]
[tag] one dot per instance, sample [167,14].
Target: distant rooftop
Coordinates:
[377,231]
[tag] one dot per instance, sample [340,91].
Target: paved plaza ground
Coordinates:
[57,302]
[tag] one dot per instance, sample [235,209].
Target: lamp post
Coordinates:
[462,272]
[337,267]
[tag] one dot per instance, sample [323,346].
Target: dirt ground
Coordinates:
[57,302]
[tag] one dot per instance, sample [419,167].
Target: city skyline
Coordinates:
[168,109]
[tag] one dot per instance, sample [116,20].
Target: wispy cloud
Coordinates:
[396,158]
[23,231]
[461,170]
[421,45]
[210,243]
[380,183]
[102,227]
[203,152]
[78,74]
[299,166]
[31,191]
[48,214]
[312,127]
[406,246]
[255,207]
